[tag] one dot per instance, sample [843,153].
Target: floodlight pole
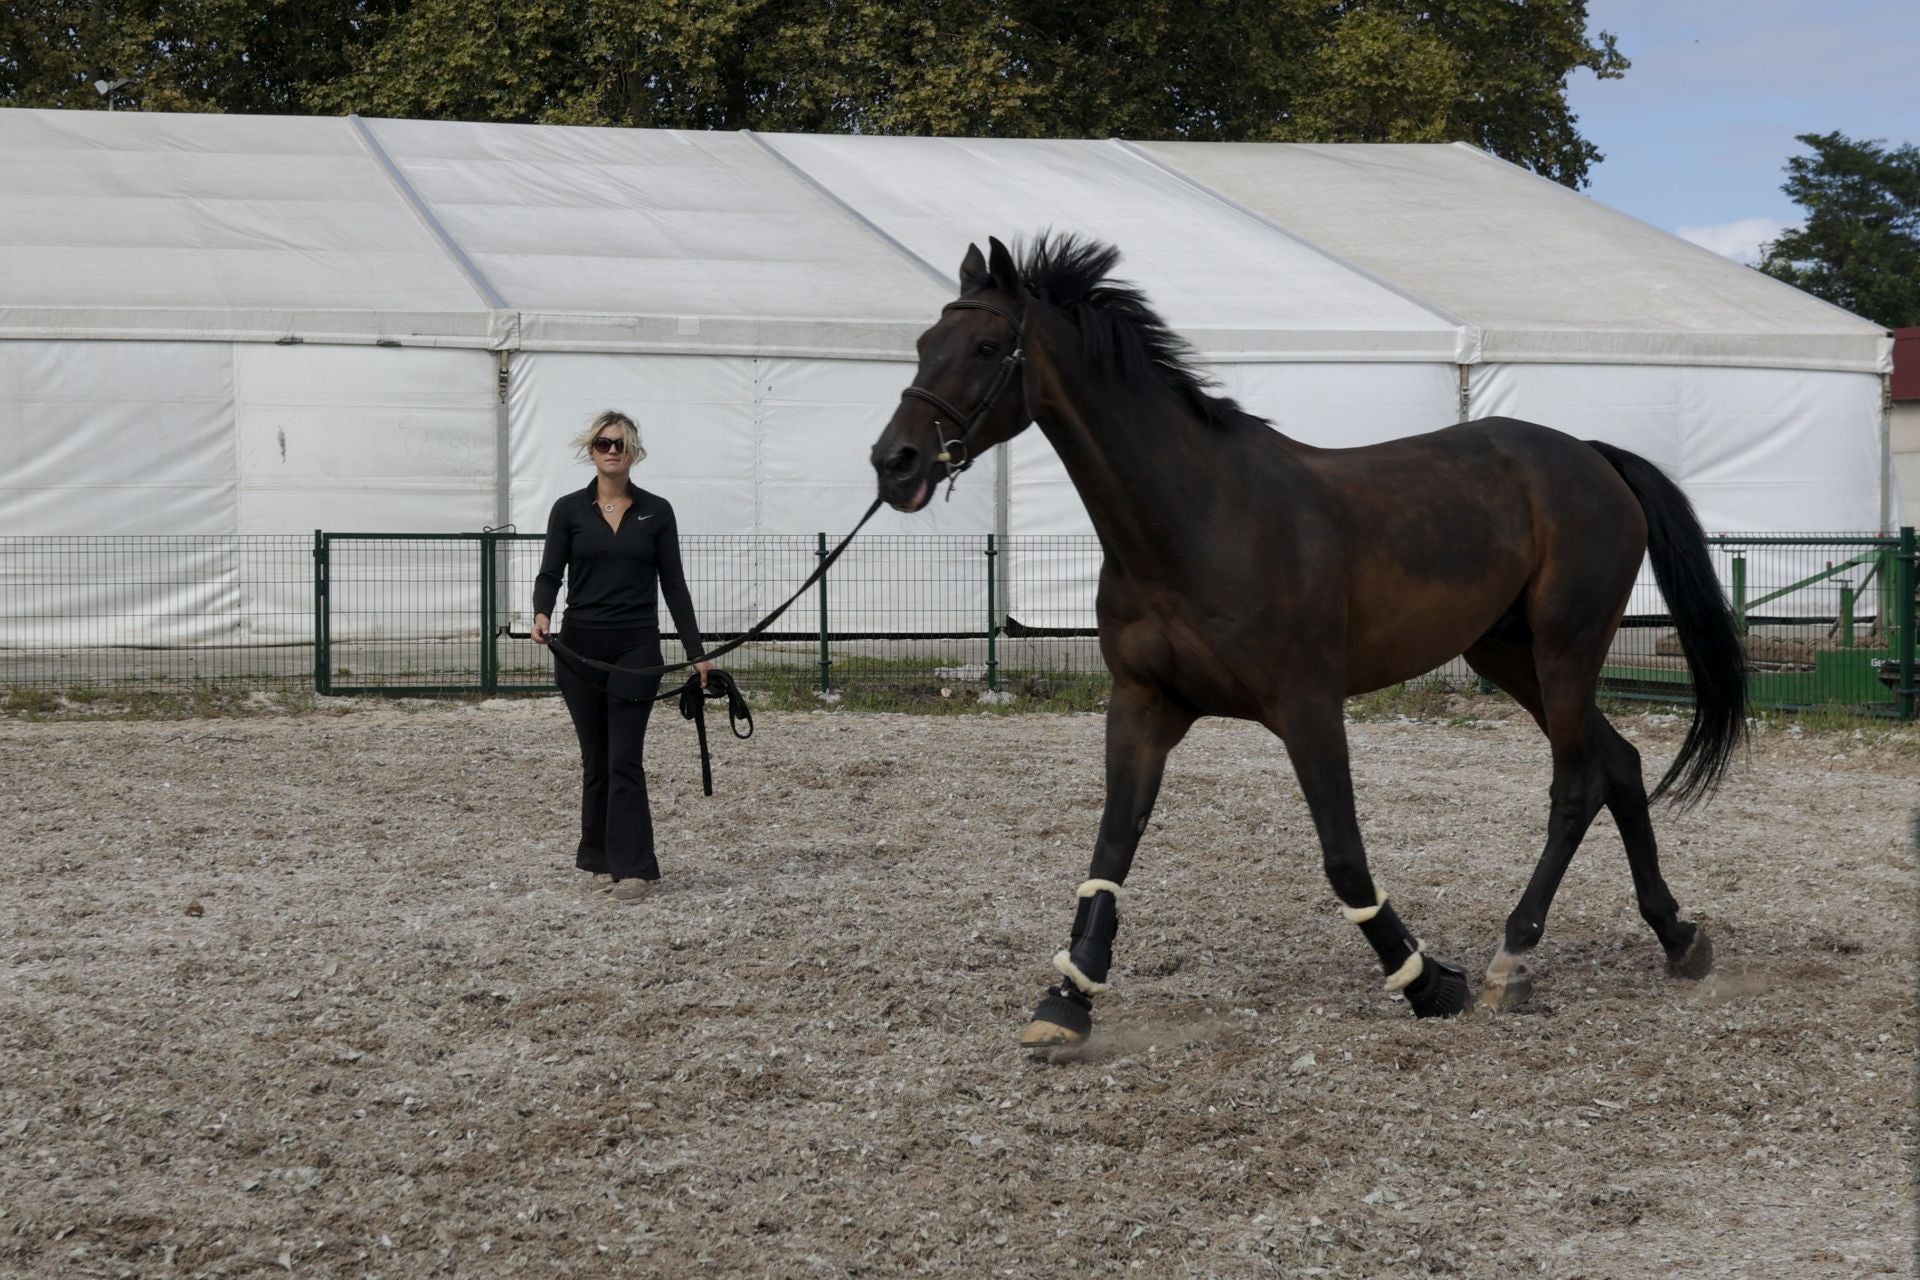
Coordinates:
[105,88]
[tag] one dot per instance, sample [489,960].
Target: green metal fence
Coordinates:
[932,615]
[1827,619]
[152,612]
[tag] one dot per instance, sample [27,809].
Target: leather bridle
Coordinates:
[956,454]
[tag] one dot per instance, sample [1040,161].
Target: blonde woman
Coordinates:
[619,550]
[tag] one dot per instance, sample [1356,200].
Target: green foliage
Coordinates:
[1490,72]
[181,55]
[1860,246]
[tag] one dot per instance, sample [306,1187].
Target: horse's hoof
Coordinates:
[1696,962]
[1064,1017]
[1507,992]
[1049,1035]
[1441,991]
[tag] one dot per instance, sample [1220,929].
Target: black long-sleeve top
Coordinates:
[615,578]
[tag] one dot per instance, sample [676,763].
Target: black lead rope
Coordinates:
[693,706]
[630,683]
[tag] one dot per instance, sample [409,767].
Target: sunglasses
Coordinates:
[609,444]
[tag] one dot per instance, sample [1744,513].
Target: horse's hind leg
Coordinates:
[1594,768]
[1689,951]
[1143,726]
[1316,739]
[1558,692]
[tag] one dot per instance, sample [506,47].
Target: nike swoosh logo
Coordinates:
[642,519]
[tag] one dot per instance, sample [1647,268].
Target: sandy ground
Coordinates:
[322,995]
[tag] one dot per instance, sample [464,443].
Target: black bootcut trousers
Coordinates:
[616,824]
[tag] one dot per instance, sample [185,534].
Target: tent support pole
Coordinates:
[1887,520]
[502,449]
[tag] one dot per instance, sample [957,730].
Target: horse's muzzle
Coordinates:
[904,475]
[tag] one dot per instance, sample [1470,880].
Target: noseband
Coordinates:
[957,454]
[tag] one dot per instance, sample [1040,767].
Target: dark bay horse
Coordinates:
[1252,576]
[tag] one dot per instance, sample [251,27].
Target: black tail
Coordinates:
[1678,549]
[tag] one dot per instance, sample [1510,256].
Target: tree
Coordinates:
[180,55]
[1860,245]
[1490,72]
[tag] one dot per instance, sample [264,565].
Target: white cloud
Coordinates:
[1740,240]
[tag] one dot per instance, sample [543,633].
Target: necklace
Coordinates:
[608,506]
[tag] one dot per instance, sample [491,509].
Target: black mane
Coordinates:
[1118,329]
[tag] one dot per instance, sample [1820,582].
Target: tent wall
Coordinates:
[1753,448]
[215,437]
[117,438]
[364,438]
[227,442]
[755,449]
[1904,430]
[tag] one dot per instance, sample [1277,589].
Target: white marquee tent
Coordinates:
[226,324]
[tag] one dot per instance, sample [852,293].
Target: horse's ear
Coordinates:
[1006,276]
[974,276]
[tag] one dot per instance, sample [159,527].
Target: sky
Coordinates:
[1698,132]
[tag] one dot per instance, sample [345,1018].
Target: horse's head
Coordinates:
[969,392]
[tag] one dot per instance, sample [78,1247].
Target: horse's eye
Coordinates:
[987,350]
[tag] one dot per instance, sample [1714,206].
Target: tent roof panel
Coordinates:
[256,227]
[1206,265]
[651,222]
[223,214]
[1543,271]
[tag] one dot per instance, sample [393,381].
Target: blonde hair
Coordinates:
[583,443]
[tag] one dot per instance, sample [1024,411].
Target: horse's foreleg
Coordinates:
[1317,744]
[1142,727]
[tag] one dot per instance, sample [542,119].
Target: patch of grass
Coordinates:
[1420,700]
[29,701]
[1823,720]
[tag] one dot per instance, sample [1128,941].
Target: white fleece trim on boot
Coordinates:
[1071,972]
[1360,915]
[1091,887]
[1406,973]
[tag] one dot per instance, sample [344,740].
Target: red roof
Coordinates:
[1906,364]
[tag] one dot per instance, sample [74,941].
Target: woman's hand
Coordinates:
[541,625]
[703,668]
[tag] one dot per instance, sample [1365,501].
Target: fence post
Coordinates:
[322,659]
[1903,605]
[826,659]
[1846,614]
[489,653]
[1740,592]
[993,663]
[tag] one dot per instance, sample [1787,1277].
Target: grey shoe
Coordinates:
[628,892]
[599,882]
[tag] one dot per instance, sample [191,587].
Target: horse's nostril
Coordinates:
[903,459]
